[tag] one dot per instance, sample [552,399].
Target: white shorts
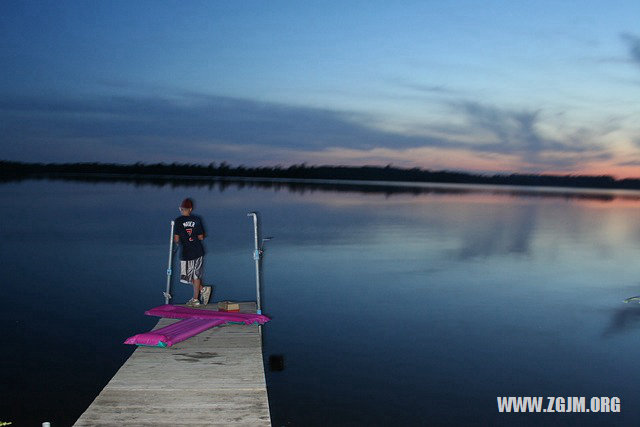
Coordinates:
[191,270]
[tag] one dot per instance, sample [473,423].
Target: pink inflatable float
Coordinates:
[194,321]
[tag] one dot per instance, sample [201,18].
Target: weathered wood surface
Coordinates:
[214,378]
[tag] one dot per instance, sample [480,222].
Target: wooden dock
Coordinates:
[214,378]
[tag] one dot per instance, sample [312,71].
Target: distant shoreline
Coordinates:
[362,175]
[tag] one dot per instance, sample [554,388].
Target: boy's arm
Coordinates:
[203,233]
[176,238]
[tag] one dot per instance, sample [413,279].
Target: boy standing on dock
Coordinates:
[189,233]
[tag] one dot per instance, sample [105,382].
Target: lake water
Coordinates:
[390,305]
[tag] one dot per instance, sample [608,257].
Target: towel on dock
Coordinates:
[194,321]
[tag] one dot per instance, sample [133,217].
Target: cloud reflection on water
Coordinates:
[623,320]
[508,232]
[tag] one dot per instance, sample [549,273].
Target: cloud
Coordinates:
[630,163]
[192,123]
[234,121]
[424,88]
[201,128]
[517,132]
[633,43]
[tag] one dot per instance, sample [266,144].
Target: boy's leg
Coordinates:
[191,272]
[198,269]
[197,287]
[205,294]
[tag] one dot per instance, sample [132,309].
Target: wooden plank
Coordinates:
[214,378]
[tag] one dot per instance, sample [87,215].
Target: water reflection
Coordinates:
[505,232]
[439,296]
[363,187]
[624,320]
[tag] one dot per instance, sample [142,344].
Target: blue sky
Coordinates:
[488,86]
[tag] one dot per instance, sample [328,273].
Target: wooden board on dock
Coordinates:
[214,378]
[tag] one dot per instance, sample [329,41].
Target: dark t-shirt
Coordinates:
[189,228]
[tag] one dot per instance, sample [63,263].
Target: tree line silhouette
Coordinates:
[10,170]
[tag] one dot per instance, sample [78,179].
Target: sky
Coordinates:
[480,86]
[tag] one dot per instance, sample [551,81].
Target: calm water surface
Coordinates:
[388,307]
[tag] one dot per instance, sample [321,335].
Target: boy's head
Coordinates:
[186,207]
